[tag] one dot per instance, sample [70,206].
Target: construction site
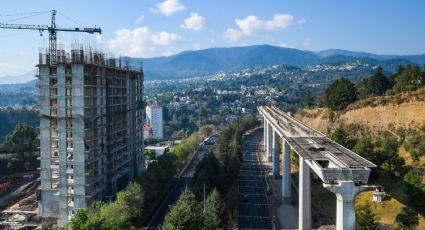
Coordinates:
[91,132]
[91,126]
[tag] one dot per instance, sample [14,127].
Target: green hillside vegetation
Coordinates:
[343,92]
[22,141]
[405,183]
[11,118]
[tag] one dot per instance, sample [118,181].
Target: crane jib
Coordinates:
[52,32]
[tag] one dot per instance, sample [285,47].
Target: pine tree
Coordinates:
[366,219]
[213,213]
[184,214]
[407,219]
[364,147]
[377,84]
[340,94]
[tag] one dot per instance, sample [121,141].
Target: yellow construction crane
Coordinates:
[52,29]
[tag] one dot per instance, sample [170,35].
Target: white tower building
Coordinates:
[154,119]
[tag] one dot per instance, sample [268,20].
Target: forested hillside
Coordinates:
[381,118]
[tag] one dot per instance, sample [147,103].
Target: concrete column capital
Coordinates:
[344,190]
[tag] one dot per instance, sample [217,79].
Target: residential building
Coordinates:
[154,119]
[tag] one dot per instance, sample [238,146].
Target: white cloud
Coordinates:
[194,22]
[252,24]
[142,42]
[140,18]
[232,35]
[301,22]
[168,7]
[164,38]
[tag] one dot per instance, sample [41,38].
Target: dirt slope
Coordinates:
[373,115]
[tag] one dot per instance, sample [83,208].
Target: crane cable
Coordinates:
[36,13]
[28,16]
[20,14]
[72,20]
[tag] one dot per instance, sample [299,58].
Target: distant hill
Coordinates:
[212,60]
[207,61]
[202,62]
[23,78]
[26,87]
[417,59]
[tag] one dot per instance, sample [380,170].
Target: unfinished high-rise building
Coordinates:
[91,129]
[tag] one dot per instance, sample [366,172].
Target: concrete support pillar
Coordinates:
[286,171]
[345,192]
[265,133]
[275,155]
[269,142]
[304,205]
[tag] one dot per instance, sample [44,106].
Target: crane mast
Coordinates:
[52,30]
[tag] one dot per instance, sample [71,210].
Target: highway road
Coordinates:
[254,211]
[184,181]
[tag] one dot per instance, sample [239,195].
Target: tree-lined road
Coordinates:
[183,182]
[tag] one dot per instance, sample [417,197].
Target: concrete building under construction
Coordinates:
[91,129]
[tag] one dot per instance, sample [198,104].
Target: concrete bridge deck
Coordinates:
[342,171]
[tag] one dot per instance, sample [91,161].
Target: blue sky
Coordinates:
[150,28]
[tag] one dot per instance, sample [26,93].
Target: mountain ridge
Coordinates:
[207,61]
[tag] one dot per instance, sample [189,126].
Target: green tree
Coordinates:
[366,219]
[132,199]
[378,83]
[407,219]
[88,218]
[213,213]
[117,215]
[389,157]
[206,130]
[184,214]
[149,154]
[410,78]
[186,147]
[415,143]
[308,102]
[414,187]
[23,139]
[340,135]
[364,147]
[340,94]
[80,219]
